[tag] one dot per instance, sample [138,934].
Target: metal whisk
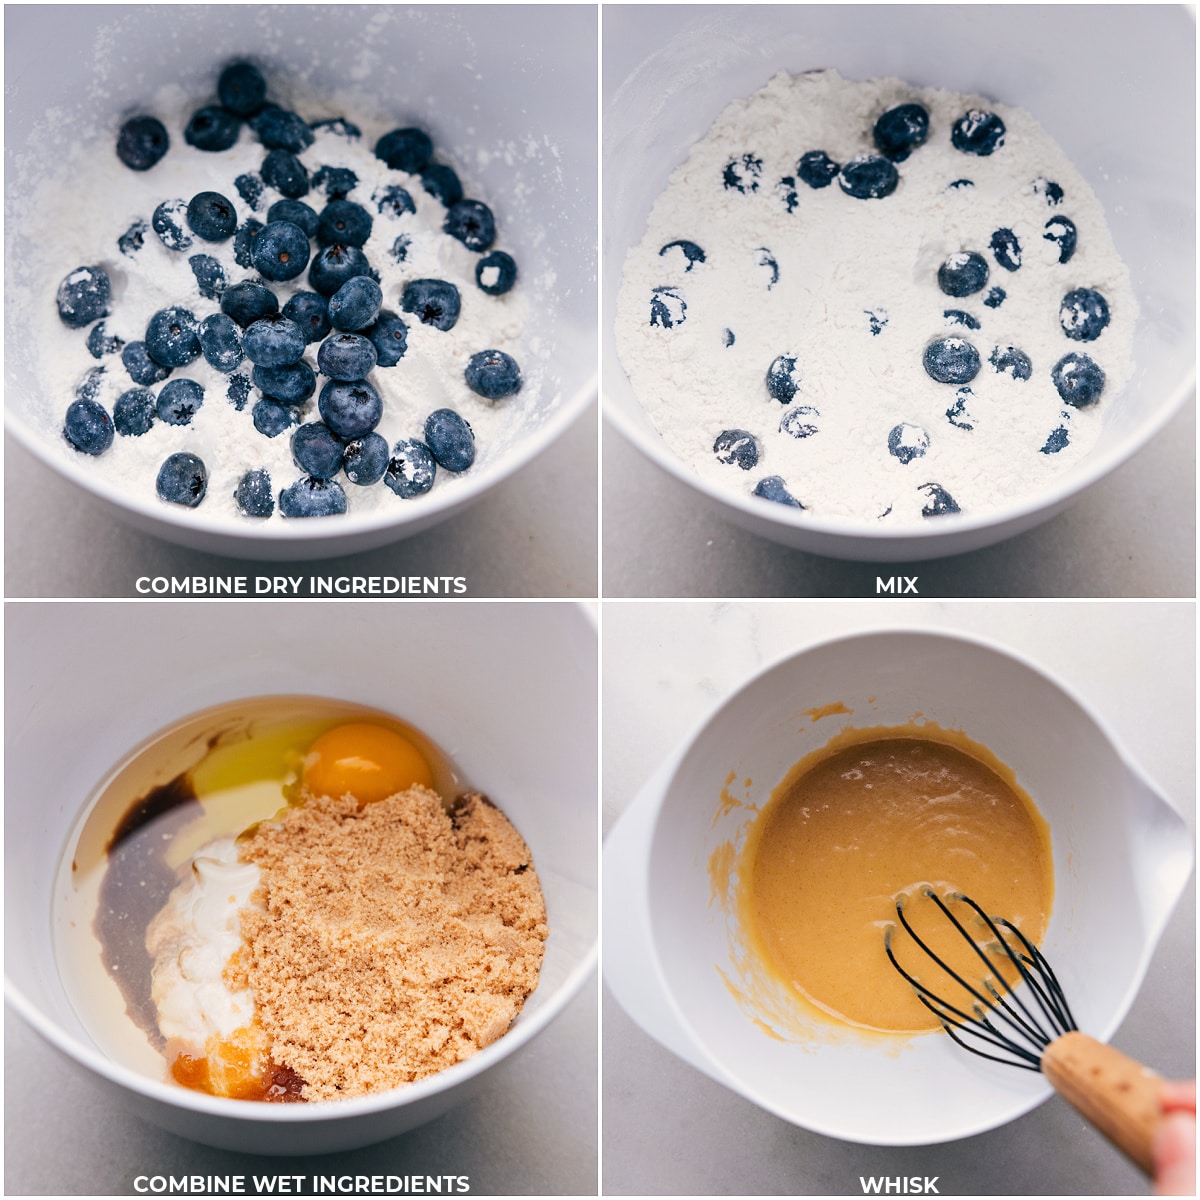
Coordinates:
[1036,1032]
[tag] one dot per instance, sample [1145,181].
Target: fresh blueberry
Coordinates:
[901,130]
[449,439]
[742,174]
[133,239]
[995,297]
[211,217]
[868,177]
[84,296]
[356,304]
[182,479]
[99,343]
[939,501]
[433,301]
[88,427]
[493,374]
[336,182]
[956,316]
[210,275]
[250,188]
[1008,360]
[496,272]
[906,442]
[311,312]
[338,125]
[309,497]
[295,211]
[692,254]
[817,169]
[765,259]
[411,469]
[1078,379]
[247,302]
[963,274]
[1057,441]
[172,337]
[243,241]
[274,341]
[365,459]
[960,185]
[1006,249]
[142,142]
[957,413]
[271,418]
[393,201]
[472,223]
[220,342]
[253,494]
[736,448]
[442,183]
[1083,314]
[1062,231]
[317,450]
[389,336]
[405,150]
[772,487]
[400,248]
[284,172]
[343,223]
[238,391]
[169,222]
[179,400]
[978,132]
[347,357]
[667,307]
[134,412]
[280,251]
[350,409]
[1048,190]
[141,367]
[212,128]
[798,422]
[289,385]
[785,189]
[279,129]
[242,89]
[783,379]
[333,265]
[951,360]
[877,319]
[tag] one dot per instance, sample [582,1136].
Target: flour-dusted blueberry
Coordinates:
[401,247]
[783,378]
[356,304]
[179,400]
[88,427]
[142,142]
[442,183]
[347,357]
[736,448]
[389,336]
[1062,232]
[243,241]
[951,360]
[493,374]
[283,171]
[365,459]
[247,302]
[800,421]
[250,187]
[433,302]
[900,130]
[253,495]
[133,239]
[280,251]
[1079,380]
[877,319]
[220,342]
[393,201]
[296,211]
[450,439]
[141,367]
[333,265]
[350,409]
[336,182]
[956,316]
[317,450]
[957,414]
[210,275]
[338,125]
[691,253]
[343,223]
[292,384]
[1057,440]
[212,128]
[773,487]
[978,132]
[310,311]
[1008,360]
[238,391]
[405,150]
[411,469]
[995,297]
[768,265]
[496,272]
[1006,249]
[211,217]
[279,129]
[271,418]
[742,174]
[785,189]
[907,442]
[963,274]
[727,338]
[173,337]
[100,344]
[817,169]
[90,386]
[274,341]
[868,177]
[241,88]
[134,412]
[182,479]
[938,501]
[471,222]
[1048,190]
[84,296]
[310,497]
[960,185]
[1083,314]
[668,308]
[170,223]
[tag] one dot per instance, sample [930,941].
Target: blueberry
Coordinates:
[901,130]
[309,497]
[449,439]
[242,89]
[289,385]
[736,448]
[172,337]
[877,319]
[88,427]
[798,422]
[317,450]
[212,128]
[667,307]
[179,400]
[978,132]
[141,367]
[280,251]
[692,253]
[472,223]
[957,413]
[742,174]
[142,142]
[817,169]
[250,188]
[727,338]
[1057,441]
[133,239]
[343,223]
[868,177]
[356,304]
[274,341]
[169,222]
[906,442]
[956,316]
[89,386]
[960,185]
[405,150]
[995,297]
[210,275]
[220,342]
[442,183]
[963,274]
[772,487]
[211,217]
[783,380]
[1006,249]
[247,302]
[765,259]
[284,172]
[333,265]
[1083,314]
[394,201]
[1048,190]
[271,418]
[389,336]
[496,272]
[279,129]
[253,494]
[400,248]
[134,412]
[365,459]
[350,409]
[493,374]
[99,343]
[1008,360]
[295,211]
[1078,379]
[238,391]
[1062,231]
[411,469]
[243,242]
[338,125]
[336,182]
[433,301]
[347,357]
[311,312]
[182,479]
[951,360]
[786,190]
[84,296]
[940,502]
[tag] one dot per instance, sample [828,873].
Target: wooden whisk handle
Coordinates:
[1117,1095]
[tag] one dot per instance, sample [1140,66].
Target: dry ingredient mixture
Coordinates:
[877,303]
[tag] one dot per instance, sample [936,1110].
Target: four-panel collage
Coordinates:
[600,599]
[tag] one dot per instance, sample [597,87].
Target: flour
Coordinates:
[746,271]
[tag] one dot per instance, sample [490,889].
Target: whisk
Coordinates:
[1037,1032]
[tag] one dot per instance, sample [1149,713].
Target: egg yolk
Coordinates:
[367,762]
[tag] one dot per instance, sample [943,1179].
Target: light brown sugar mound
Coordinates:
[390,941]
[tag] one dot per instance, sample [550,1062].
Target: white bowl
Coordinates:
[508,691]
[518,122]
[670,70]
[1121,858]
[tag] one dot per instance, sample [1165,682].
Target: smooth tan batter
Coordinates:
[853,826]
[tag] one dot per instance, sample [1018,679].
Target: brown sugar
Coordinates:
[390,941]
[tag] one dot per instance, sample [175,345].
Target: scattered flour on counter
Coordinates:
[745,265]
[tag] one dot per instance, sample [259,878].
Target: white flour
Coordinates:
[849,288]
